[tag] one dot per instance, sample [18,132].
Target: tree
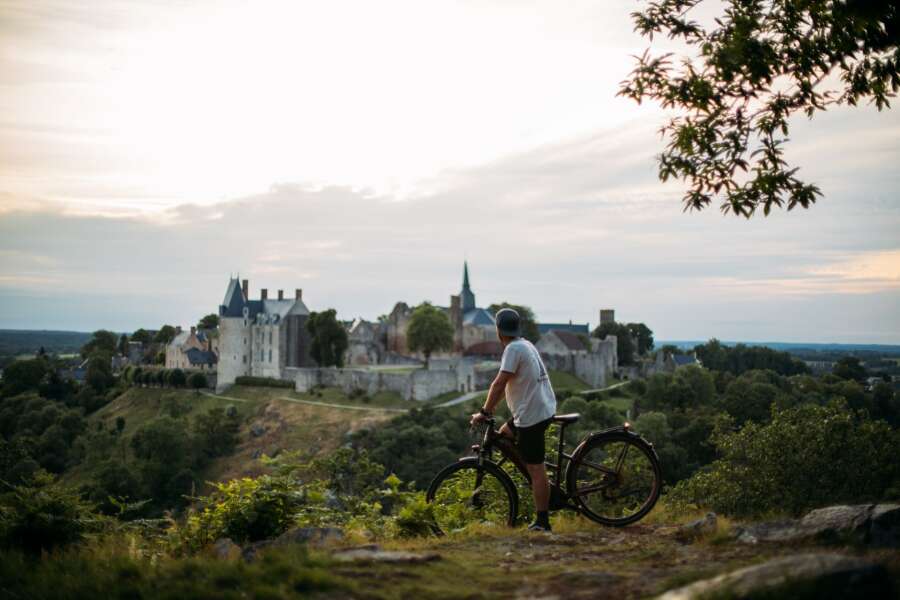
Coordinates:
[176,378]
[197,381]
[760,64]
[526,318]
[24,375]
[99,372]
[643,335]
[329,338]
[142,335]
[429,330]
[123,345]
[101,341]
[850,368]
[210,321]
[624,345]
[216,433]
[165,334]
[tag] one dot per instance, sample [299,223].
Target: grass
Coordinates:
[561,379]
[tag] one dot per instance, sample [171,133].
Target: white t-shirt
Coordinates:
[529,395]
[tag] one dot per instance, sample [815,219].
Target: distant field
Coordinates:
[15,342]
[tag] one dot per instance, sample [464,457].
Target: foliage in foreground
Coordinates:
[103,574]
[43,515]
[806,457]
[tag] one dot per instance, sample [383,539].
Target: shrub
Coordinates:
[245,510]
[263,382]
[42,514]
[197,381]
[638,386]
[805,457]
[177,378]
[574,405]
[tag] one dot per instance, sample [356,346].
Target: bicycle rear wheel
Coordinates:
[615,479]
[465,493]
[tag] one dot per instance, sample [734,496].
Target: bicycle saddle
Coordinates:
[569,418]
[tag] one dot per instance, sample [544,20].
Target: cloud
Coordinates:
[567,228]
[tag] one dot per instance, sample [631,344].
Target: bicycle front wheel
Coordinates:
[467,493]
[615,479]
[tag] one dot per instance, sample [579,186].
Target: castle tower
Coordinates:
[467,297]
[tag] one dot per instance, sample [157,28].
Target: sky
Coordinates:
[361,151]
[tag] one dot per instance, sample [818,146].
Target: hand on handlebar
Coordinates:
[478,418]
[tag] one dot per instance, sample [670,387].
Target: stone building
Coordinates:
[471,325]
[194,349]
[592,360]
[365,345]
[261,338]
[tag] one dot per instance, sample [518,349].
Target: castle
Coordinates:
[261,338]
[474,331]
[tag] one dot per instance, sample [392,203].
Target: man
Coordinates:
[531,401]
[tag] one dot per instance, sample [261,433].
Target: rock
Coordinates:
[697,529]
[774,531]
[884,526]
[835,521]
[257,429]
[873,524]
[310,536]
[812,576]
[225,549]
[373,553]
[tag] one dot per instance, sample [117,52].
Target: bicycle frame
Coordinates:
[557,472]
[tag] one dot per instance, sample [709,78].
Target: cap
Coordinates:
[508,322]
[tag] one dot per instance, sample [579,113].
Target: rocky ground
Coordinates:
[842,552]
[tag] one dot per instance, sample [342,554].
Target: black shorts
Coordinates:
[530,440]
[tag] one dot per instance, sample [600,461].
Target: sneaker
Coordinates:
[538,527]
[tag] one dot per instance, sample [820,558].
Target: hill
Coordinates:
[272,420]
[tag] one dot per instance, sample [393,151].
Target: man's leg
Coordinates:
[540,486]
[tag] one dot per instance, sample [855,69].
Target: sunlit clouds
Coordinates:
[362,150]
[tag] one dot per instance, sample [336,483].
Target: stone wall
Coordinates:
[595,368]
[417,384]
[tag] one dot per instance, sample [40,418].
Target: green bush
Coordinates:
[42,515]
[198,381]
[574,405]
[245,510]
[805,457]
[263,382]
[177,378]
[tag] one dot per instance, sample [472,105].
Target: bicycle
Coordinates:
[598,480]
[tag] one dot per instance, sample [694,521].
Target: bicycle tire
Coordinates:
[487,469]
[579,459]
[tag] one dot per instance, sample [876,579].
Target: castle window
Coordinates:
[270,351]
[270,340]
[245,359]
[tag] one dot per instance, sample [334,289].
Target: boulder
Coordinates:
[373,553]
[310,536]
[872,524]
[800,577]
[225,549]
[697,529]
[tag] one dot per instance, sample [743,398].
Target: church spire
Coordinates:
[467,297]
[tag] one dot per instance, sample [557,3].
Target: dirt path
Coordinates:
[639,561]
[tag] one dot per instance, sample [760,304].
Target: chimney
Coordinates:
[299,294]
[263,293]
[281,294]
[245,287]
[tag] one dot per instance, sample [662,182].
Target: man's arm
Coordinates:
[498,386]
